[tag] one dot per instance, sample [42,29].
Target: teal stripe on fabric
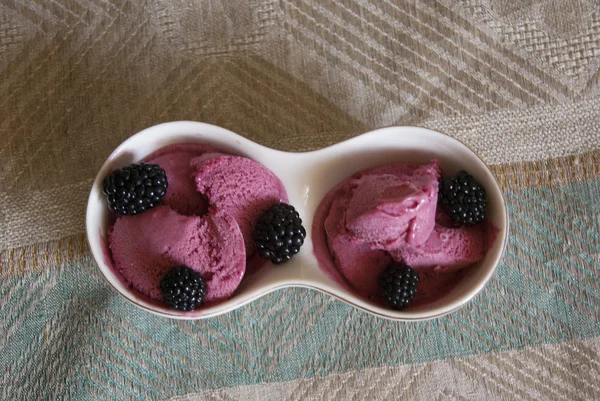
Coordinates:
[67,335]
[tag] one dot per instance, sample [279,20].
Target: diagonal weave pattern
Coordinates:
[517,81]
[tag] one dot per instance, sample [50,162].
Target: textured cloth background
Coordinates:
[518,81]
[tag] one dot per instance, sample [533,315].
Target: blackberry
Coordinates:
[398,284]
[279,233]
[182,288]
[463,199]
[135,188]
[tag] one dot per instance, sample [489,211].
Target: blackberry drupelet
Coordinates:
[463,199]
[398,284]
[183,288]
[135,188]
[279,233]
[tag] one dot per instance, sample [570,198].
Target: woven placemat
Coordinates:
[517,81]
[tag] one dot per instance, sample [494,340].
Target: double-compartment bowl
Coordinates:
[307,178]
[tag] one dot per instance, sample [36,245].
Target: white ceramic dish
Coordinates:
[307,178]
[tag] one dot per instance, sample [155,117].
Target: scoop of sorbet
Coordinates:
[388,208]
[387,214]
[145,247]
[239,186]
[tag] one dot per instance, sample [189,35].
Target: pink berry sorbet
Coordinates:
[389,214]
[205,221]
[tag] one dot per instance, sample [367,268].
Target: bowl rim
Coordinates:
[349,297]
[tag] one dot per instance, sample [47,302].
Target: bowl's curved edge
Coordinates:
[348,298]
[358,302]
[90,229]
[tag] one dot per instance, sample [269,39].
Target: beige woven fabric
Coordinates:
[516,80]
[545,372]
[78,77]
